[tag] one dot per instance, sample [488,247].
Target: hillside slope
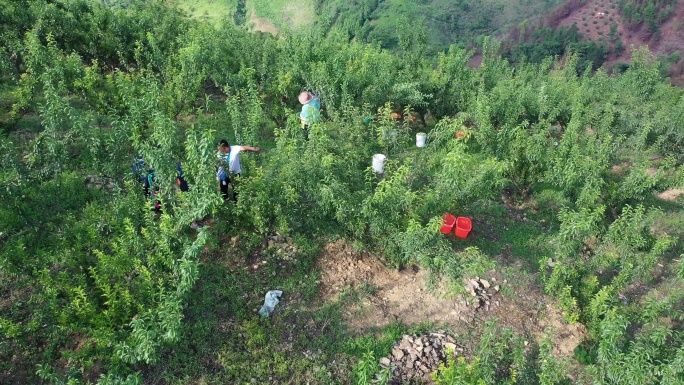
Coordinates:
[621,25]
[445,22]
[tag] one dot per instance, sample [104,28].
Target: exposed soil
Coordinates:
[396,295]
[262,24]
[599,17]
[404,296]
[566,337]
[671,195]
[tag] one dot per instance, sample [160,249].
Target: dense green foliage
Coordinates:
[649,13]
[544,42]
[96,289]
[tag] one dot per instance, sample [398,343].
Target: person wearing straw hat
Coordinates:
[311,111]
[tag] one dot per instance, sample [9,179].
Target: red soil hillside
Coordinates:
[594,19]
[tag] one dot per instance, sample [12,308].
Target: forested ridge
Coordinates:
[97,289]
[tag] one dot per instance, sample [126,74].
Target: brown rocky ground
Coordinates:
[388,295]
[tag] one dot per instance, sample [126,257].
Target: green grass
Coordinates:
[284,13]
[224,339]
[216,10]
[510,236]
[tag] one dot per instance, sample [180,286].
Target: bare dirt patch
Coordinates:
[403,296]
[262,24]
[394,295]
[620,169]
[671,195]
[566,337]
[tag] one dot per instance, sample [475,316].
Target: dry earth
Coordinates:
[600,11]
[399,295]
[404,296]
[671,194]
[262,24]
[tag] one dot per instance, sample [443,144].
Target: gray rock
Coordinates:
[496,288]
[384,361]
[397,353]
[485,283]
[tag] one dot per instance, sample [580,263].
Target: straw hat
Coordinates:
[305,97]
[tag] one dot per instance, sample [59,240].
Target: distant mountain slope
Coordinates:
[445,22]
[663,33]
[621,24]
[602,31]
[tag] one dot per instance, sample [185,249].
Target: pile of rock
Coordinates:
[413,358]
[482,291]
[283,246]
[99,182]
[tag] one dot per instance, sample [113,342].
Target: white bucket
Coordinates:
[379,163]
[420,139]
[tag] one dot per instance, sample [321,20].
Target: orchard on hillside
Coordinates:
[97,290]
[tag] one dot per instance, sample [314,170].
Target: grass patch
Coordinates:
[213,10]
[510,235]
[284,13]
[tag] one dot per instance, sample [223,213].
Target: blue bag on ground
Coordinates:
[270,302]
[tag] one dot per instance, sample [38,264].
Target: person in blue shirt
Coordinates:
[229,165]
[140,173]
[311,111]
[180,178]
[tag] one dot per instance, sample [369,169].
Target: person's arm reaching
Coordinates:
[249,148]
